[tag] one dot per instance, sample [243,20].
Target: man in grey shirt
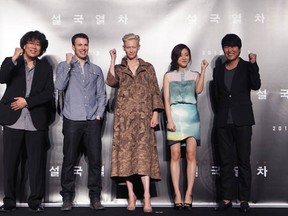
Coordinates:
[84,104]
[25,113]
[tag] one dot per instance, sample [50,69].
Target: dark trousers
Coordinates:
[234,145]
[79,134]
[15,141]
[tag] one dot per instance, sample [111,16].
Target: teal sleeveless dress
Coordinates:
[183,105]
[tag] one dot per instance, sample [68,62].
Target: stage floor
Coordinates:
[117,211]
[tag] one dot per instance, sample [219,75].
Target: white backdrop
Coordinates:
[161,24]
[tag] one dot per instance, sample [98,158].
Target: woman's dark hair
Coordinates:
[175,54]
[231,40]
[79,35]
[35,35]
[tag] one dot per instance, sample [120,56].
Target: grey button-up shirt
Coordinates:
[84,87]
[25,121]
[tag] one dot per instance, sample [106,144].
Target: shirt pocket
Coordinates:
[92,76]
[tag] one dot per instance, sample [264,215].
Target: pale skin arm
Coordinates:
[154,120]
[171,126]
[113,55]
[200,78]
[19,102]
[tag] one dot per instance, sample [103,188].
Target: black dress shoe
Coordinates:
[4,208]
[187,206]
[35,209]
[244,206]
[178,206]
[223,206]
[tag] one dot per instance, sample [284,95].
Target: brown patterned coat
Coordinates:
[134,148]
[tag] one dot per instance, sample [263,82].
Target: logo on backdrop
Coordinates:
[191,19]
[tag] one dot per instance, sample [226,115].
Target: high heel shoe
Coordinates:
[132,208]
[187,206]
[178,206]
[149,209]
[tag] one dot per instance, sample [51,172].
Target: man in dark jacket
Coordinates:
[25,114]
[233,81]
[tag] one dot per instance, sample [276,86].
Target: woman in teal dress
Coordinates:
[181,85]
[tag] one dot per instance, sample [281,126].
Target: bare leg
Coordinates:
[132,198]
[191,167]
[175,170]
[147,201]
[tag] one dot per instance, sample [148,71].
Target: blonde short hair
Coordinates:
[131,36]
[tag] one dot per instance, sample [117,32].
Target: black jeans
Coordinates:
[79,134]
[234,145]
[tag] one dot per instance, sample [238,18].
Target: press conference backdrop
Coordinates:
[161,24]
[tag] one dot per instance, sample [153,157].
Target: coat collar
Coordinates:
[238,65]
[141,68]
[125,64]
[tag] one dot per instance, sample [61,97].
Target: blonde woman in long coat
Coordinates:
[138,101]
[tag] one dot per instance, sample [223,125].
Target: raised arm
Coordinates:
[255,82]
[62,73]
[112,79]
[200,78]
[8,65]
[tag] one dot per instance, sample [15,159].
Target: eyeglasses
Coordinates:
[34,43]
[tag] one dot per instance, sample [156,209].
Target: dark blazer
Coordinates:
[246,78]
[41,96]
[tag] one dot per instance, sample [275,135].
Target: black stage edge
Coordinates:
[157,211]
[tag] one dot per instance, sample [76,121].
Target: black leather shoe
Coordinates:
[222,206]
[95,204]
[35,209]
[4,208]
[244,206]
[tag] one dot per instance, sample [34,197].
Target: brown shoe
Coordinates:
[95,204]
[67,205]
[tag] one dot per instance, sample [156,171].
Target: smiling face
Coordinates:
[32,49]
[131,48]
[81,48]
[183,59]
[231,52]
